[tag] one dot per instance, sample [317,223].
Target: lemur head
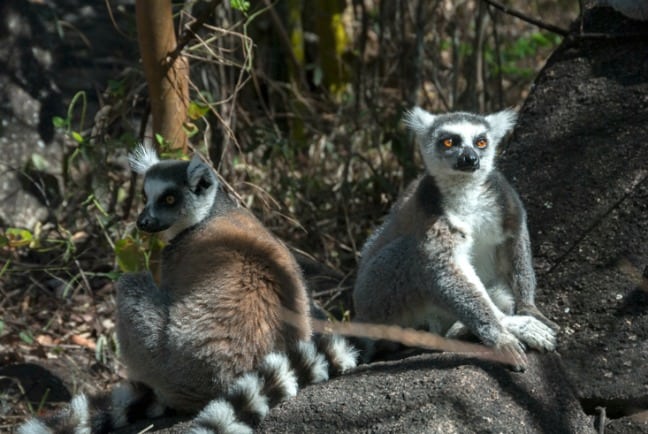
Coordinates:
[178,194]
[459,144]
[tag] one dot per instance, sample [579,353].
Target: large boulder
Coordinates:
[431,394]
[437,393]
[579,159]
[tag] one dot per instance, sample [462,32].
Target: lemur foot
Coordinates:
[531,331]
[513,351]
[534,312]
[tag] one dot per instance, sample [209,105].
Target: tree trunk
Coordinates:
[168,83]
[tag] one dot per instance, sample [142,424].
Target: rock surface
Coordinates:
[432,394]
[437,393]
[579,160]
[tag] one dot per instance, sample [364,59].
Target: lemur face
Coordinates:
[165,196]
[459,144]
[177,194]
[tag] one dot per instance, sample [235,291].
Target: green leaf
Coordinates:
[18,237]
[117,87]
[240,5]
[59,122]
[190,129]
[39,162]
[197,110]
[78,137]
[129,255]
[112,275]
[26,337]
[2,326]
[159,138]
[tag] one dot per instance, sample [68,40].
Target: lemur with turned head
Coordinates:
[212,339]
[453,255]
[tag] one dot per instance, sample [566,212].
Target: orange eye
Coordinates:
[447,143]
[169,199]
[481,143]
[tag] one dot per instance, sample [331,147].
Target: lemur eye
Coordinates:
[448,143]
[169,199]
[481,143]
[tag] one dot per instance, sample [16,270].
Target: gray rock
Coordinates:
[437,393]
[578,158]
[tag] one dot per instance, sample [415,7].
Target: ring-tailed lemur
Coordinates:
[454,255]
[212,339]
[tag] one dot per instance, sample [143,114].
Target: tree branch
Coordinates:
[507,10]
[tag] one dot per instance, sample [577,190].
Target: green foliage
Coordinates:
[240,5]
[117,88]
[16,237]
[104,347]
[197,110]
[518,58]
[27,337]
[134,253]
[66,123]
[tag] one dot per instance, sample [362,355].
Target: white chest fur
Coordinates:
[476,214]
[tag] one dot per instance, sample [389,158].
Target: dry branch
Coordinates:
[536,22]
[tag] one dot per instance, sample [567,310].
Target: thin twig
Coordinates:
[601,421]
[498,59]
[114,22]
[189,33]
[595,224]
[536,22]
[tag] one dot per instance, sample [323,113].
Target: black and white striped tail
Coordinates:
[278,378]
[246,403]
[98,414]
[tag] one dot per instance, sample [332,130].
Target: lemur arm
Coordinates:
[453,281]
[142,311]
[523,279]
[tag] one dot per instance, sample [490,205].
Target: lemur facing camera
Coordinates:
[453,255]
[212,339]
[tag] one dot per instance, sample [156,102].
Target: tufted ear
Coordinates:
[199,174]
[418,120]
[142,158]
[501,123]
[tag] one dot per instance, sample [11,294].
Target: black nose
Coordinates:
[147,223]
[468,160]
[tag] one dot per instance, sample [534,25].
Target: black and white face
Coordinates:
[178,195]
[165,197]
[459,144]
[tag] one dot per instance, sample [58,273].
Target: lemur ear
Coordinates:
[142,158]
[418,120]
[199,174]
[501,123]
